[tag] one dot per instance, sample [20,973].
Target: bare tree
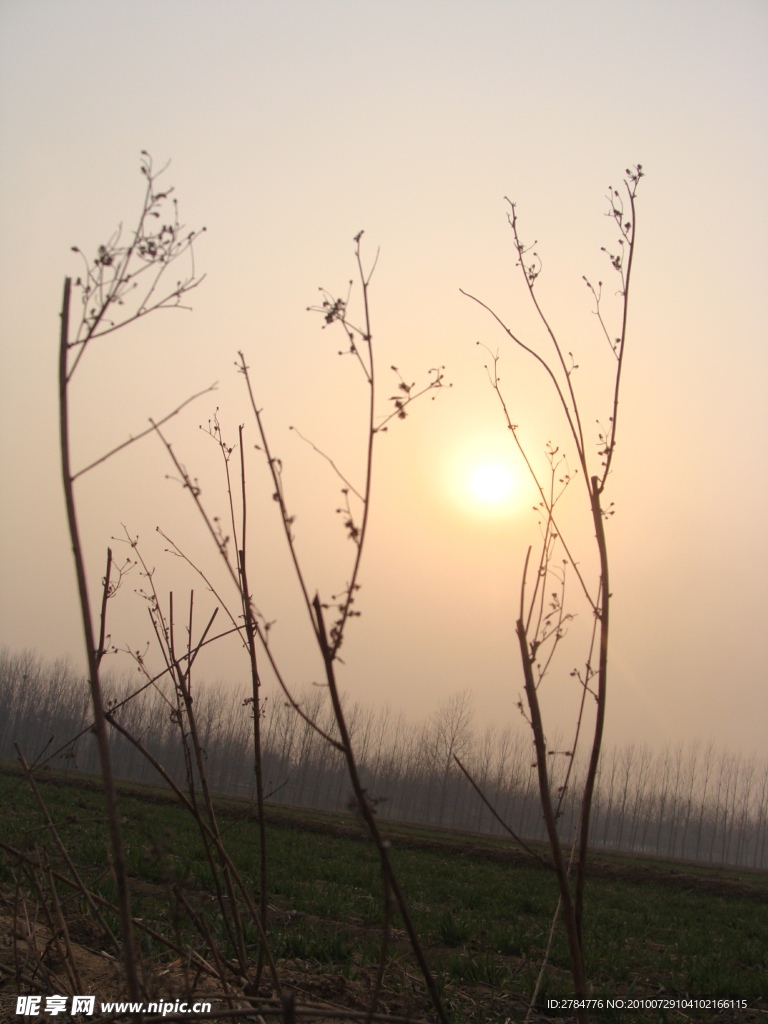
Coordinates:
[691,770]
[447,737]
[126,281]
[543,615]
[761,819]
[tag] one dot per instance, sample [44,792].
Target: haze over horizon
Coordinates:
[292,127]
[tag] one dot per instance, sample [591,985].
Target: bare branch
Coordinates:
[153,426]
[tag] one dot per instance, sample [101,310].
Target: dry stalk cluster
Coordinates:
[128,279]
[586,458]
[132,277]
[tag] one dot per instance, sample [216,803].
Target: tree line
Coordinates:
[691,801]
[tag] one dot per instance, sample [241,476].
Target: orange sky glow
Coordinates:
[290,128]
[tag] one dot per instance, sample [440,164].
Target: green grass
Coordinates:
[485,925]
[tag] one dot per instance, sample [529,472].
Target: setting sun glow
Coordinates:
[483,480]
[491,483]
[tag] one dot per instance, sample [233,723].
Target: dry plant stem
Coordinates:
[105,903]
[257,761]
[598,517]
[149,430]
[92,654]
[251,632]
[236,628]
[18,976]
[165,635]
[52,912]
[498,817]
[198,920]
[575,946]
[105,285]
[234,927]
[289,696]
[30,931]
[629,236]
[255,687]
[329,645]
[369,372]
[347,483]
[545,626]
[579,718]
[367,813]
[105,593]
[116,271]
[214,838]
[602,683]
[272,463]
[126,700]
[70,963]
[368,338]
[385,935]
[63,850]
[551,521]
[548,950]
[544,962]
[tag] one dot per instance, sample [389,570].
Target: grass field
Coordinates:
[654,929]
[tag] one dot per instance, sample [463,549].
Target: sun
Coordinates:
[491,483]
[483,479]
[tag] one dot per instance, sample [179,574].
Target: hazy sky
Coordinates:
[291,126]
